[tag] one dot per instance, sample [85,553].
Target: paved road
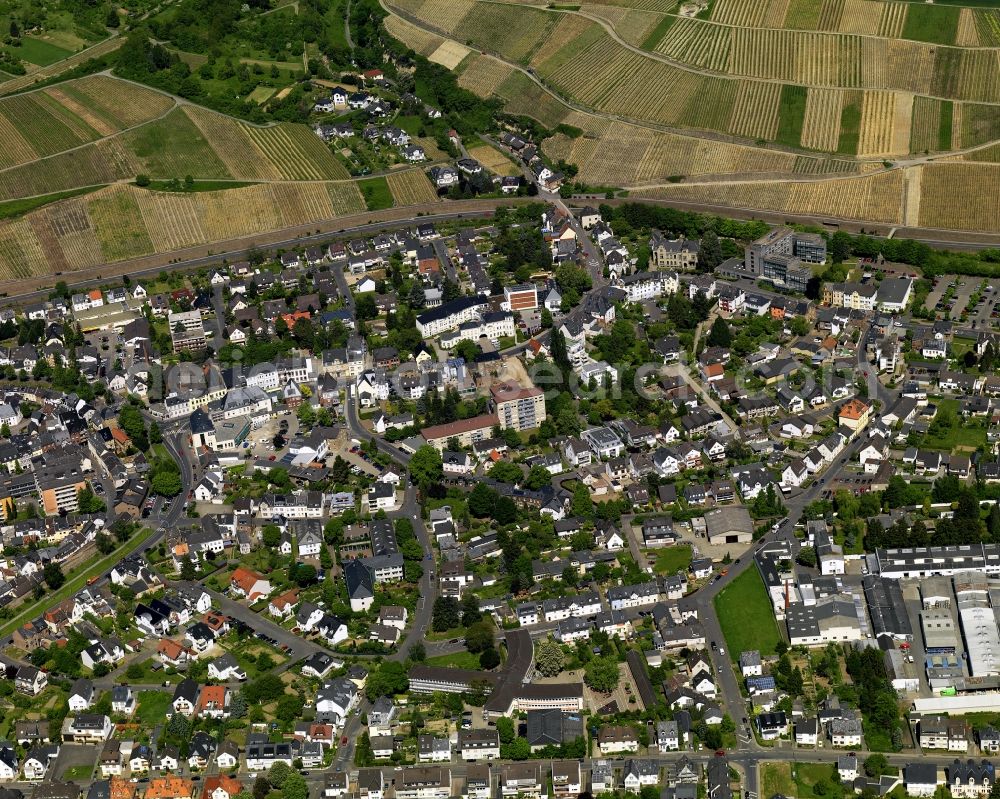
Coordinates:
[299,647]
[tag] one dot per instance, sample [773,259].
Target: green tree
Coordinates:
[305,574]
[489,658]
[549,658]
[538,477]
[188,571]
[876,765]
[271,536]
[800,326]
[720,334]
[295,787]
[710,255]
[480,636]
[53,575]
[446,614]
[807,557]
[583,505]
[387,679]
[505,729]
[425,466]
[506,472]
[482,501]
[602,674]
[289,708]
[278,774]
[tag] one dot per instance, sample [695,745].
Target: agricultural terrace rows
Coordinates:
[960,196]
[629,155]
[411,187]
[22,82]
[483,74]
[632,24]
[417,39]
[523,96]
[869,17]
[42,123]
[124,221]
[514,31]
[595,70]
[875,198]
[281,152]
[804,57]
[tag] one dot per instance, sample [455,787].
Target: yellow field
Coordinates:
[128,103]
[877,114]
[423,42]
[629,155]
[514,31]
[566,30]
[926,125]
[877,198]
[483,75]
[24,81]
[411,187]
[755,114]
[118,224]
[821,124]
[698,44]
[960,196]
[122,221]
[495,161]
[632,24]
[449,54]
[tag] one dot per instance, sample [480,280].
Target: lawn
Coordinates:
[744,611]
[79,772]
[965,434]
[456,660]
[806,775]
[377,194]
[153,706]
[671,560]
[776,778]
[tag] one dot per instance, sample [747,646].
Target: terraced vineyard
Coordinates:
[411,187]
[123,221]
[875,198]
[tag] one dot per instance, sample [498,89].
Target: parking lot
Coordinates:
[262,438]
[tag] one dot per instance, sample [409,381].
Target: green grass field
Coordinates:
[931,23]
[376,192]
[174,147]
[657,34]
[744,611]
[944,126]
[14,208]
[850,129]
[671,560]
[153,706]
[791,113]
[806,775]
[39,52]
[456,660]
[776,778]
